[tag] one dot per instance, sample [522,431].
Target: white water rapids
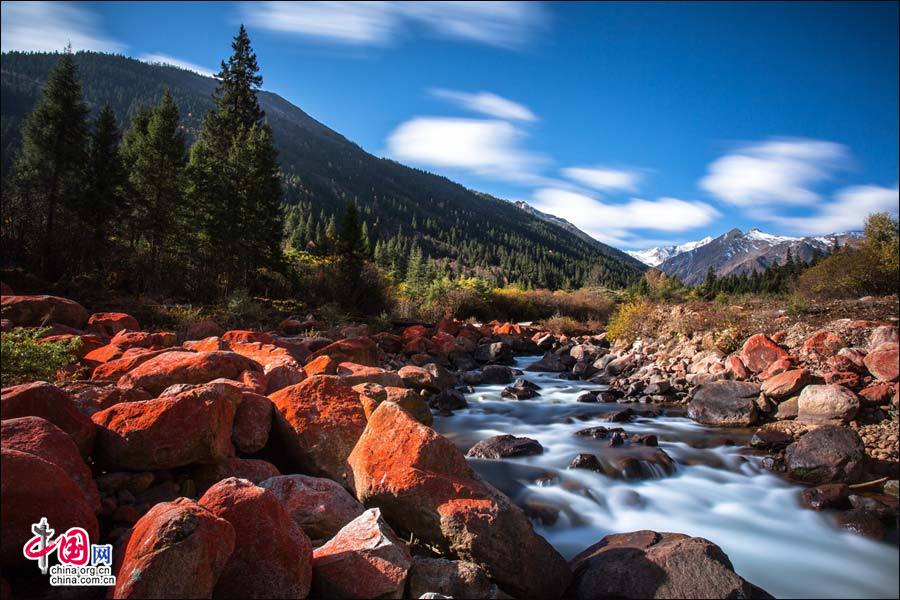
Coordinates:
[718,492]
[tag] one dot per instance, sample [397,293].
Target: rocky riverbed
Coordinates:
[334,465]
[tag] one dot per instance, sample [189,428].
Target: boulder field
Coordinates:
[272,464]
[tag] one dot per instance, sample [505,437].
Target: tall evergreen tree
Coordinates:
[234,182]
[49,173]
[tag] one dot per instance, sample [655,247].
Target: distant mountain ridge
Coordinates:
[655,256]
[475,232]
[737,252]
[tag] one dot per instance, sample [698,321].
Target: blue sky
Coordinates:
[641,123]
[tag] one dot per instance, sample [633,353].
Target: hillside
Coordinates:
[476,233]
[736,252]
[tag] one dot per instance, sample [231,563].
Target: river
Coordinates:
[717,491]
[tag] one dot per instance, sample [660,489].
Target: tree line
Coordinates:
[138,210]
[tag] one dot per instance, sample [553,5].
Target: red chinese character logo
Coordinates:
[73,547]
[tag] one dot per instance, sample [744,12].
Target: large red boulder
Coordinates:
[424,487]
[32,488]
[372,394]
[364,560]
[142,339]
[170,368]
[353,374]
[91,397]
[647,564]
[44,439]
[202,329]
[34,311]
[177,550]
[320,506]
[247,336]
[191,427]
[362,351]
[822,344]
[251,469]
[41,399]
[882,362]
[759,352]
[272,556]
[115,368]
[788,383]
[279,364]
[252,423]
[322,365]
[319,422]
[85,343]
[109,324]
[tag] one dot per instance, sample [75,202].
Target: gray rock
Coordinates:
[827,454]
[827,403]
[505,446]
[725,403]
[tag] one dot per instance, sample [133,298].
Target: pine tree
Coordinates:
[102,202]
[234,181]
[49,174]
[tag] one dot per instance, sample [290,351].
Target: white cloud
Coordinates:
[484,147]
[777,171]
[487,103]
[615,223]
[602,178]
[847,212]
[50,26]
[503,24]
[176,62]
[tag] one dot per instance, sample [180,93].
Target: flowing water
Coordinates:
[718,491]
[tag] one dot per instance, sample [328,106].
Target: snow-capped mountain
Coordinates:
[738,252]
[659,254]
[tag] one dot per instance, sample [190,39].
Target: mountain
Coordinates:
[659,254]
[738,252]
[324,171]
[561,223]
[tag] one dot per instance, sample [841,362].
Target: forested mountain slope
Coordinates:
[403,207]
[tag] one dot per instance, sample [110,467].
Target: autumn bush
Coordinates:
[26,358]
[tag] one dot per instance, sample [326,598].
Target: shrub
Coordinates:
[629,320]
[243,310]
[559,324]
[25,358]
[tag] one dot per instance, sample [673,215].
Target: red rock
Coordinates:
[844,378]
[759,352]
[187,428]
[41,399]
[452,578]
[450,326]
[323,365]
[882,362]
[353,374]
[389,342]
[103,354]
[878,393]
[424,486]
[320,506]
[788,383]
[291,327]
[115,369]
[822,344]
[373,394]
[319,422]
[143,339]
[779,366]
[210,344]
[109,324]
[508,329]
[35,311]
[882,334]
[247,336]
[44,439]
[420,345]
[362,351]
[272,557]
[90,397]
[252,423]
[86,343]
[32,488]
[163,370]
[364,560]
[735,367]
[414,331]
[778,336]
[419,378]
[842,362]
[177,550]
[203,329]
[251,469]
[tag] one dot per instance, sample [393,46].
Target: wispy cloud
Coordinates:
[502,24]
[617,223]
[779,170]
[50,26]
[846,212]
[603,178]
[486,103]
[165,59]
[485,147]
